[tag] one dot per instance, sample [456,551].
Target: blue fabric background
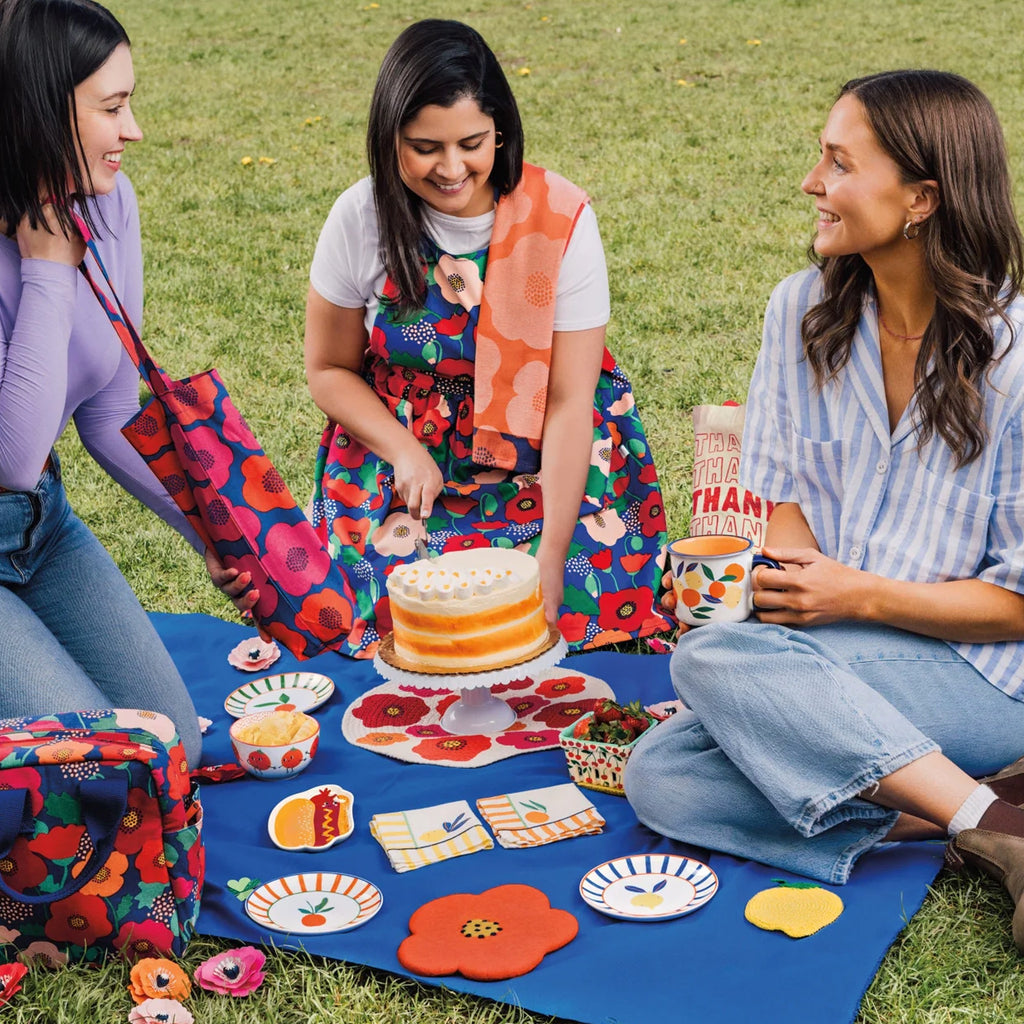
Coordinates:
[711,966]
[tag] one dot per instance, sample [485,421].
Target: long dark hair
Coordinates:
[47,47]
[432,63]
[936,126]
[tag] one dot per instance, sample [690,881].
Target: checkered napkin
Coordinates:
[428,835]
[538,816]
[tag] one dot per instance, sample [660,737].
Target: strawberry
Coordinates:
[607,711]
[614,723]
[634,717]
[637,724]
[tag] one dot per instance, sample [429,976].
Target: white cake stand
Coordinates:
[477,711]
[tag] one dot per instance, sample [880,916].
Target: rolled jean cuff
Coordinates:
[840,872]
[835,807]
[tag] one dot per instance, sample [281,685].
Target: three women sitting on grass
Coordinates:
[455,336]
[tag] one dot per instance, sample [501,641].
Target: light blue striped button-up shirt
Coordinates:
[877,500]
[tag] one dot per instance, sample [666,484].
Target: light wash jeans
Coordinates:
[73,636]
[788,726]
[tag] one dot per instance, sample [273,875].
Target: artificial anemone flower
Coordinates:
[160,1011]
[235,972]
[10,980]
[154,978]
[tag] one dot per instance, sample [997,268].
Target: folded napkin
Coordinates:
[428,835]
[538,816]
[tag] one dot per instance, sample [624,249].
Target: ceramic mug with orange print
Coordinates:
[711,577]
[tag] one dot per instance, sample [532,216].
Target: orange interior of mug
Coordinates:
[709,546]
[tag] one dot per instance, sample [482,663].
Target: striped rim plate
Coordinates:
[649,886]
[314,903]
[294,691]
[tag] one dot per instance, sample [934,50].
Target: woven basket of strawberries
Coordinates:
[598,746]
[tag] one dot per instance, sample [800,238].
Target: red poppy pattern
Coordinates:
[144,898]
[201,449]
[422,369]
[404,721]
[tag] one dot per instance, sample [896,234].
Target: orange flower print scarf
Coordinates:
[532,228]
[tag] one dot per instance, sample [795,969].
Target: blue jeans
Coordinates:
[73,636]
[787,726]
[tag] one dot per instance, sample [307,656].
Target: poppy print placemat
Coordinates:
[404,721]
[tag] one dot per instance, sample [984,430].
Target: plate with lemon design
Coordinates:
[649,886]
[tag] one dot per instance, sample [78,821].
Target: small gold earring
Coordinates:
[499,140]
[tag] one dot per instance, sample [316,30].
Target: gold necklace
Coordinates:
[900,337]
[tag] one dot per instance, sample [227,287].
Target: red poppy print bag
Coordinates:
[200,448]
[100,837]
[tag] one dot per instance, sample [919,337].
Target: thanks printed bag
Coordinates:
[720,505]
[100,837]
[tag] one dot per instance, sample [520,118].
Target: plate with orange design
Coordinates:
[649,886]
[287,691]
[314,903]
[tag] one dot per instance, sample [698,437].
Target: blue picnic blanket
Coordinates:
[711,966]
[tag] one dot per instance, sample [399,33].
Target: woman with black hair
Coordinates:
[74,636]
[455,334]
[886,422]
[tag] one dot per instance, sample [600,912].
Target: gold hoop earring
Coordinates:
[499,140]
[911,224]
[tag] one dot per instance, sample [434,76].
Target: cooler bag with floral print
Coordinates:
[100,837]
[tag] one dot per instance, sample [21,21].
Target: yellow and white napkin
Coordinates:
[428,835]
[538,816]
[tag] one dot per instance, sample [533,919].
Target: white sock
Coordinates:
[971,810]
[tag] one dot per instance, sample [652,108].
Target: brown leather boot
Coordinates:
[1008,784]
[998,855]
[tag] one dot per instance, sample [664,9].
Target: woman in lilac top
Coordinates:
[74,636]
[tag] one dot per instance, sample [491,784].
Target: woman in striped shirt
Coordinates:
[886,422]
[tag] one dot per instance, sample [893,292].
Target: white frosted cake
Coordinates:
[468,611]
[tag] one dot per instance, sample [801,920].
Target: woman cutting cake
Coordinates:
[455,334]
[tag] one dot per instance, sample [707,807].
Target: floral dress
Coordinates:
[422,369]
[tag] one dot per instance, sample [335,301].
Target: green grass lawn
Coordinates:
[690,123]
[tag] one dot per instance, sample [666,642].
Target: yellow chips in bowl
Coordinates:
[277,729]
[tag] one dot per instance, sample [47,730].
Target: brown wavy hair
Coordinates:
[938,126]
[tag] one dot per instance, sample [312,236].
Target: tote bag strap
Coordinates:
[158,381]
[103,803]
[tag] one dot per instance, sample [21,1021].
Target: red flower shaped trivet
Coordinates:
[500,933]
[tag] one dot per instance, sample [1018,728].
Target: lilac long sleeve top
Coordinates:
[60,357]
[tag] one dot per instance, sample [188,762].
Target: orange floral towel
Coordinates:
[538,816]
[532,228]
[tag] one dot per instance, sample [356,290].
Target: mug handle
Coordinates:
[757,560]
[764,560]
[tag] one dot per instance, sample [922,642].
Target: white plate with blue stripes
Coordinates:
[649,886]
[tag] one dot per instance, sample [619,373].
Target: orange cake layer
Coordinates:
[468,610]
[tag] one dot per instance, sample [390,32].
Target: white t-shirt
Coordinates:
[347,269]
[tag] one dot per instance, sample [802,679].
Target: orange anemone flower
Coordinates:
[156,978]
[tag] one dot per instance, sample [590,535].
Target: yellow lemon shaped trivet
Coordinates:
[797,908]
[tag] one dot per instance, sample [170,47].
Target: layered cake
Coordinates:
[467,611]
